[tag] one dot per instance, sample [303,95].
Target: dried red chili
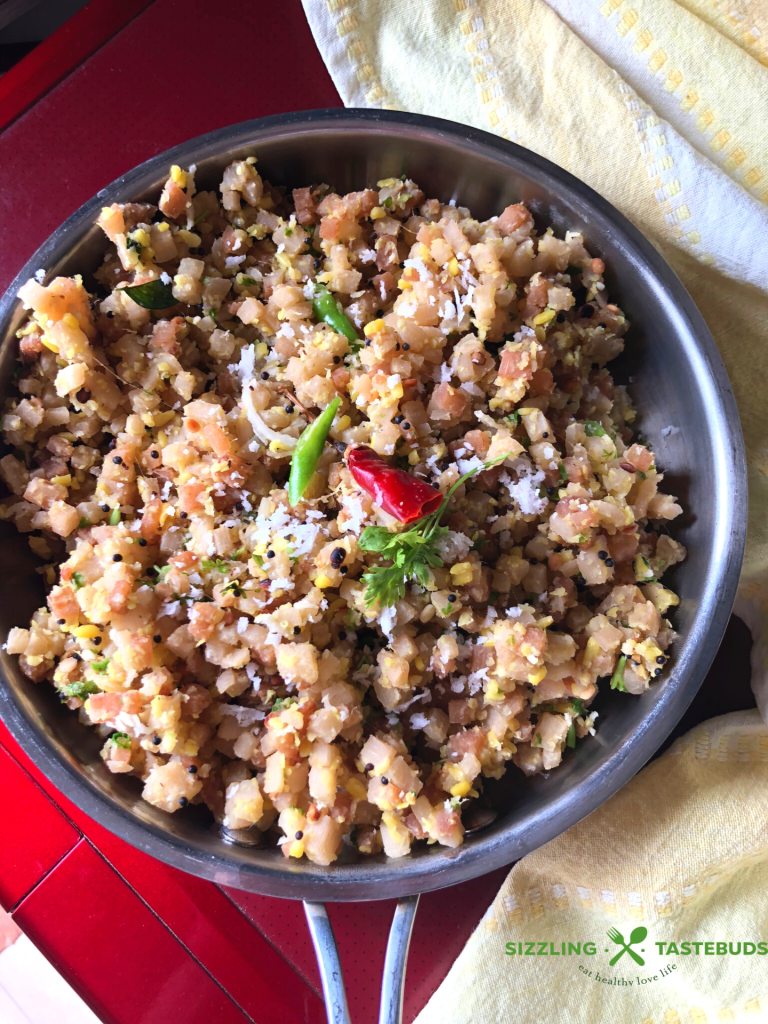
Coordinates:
[393,490]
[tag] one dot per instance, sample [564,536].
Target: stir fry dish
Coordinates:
[339,511]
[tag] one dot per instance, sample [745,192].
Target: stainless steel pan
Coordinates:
[679,380]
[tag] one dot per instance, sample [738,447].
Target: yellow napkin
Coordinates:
[682,852]
[659,105]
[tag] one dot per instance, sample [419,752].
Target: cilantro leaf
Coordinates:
[378,538]
[78,579]
[593,429]
[81,689]
[215,563]
[412,552]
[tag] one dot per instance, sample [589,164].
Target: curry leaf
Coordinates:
[152,295]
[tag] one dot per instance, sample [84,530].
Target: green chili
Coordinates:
[307,452]
[114,517]
[617,679]
[327,308]
[570,739]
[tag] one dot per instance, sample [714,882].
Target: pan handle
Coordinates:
[393,982]
[328,961]
[396,959]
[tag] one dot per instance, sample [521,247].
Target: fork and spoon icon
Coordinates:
[637,935]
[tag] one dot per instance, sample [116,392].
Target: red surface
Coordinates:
[90,924]
[444,921]
[34,834]
[220,936]
[142,942]
[57,55]
[164,79]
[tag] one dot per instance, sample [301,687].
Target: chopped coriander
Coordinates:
[593,429]
[283,702]
[641,475]
[571,269]
[536,741]
[81,689]
[215,563]
[160,578]
[78,580]
[563,474]
[201,216]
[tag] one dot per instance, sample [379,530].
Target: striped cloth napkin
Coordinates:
[672,95]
